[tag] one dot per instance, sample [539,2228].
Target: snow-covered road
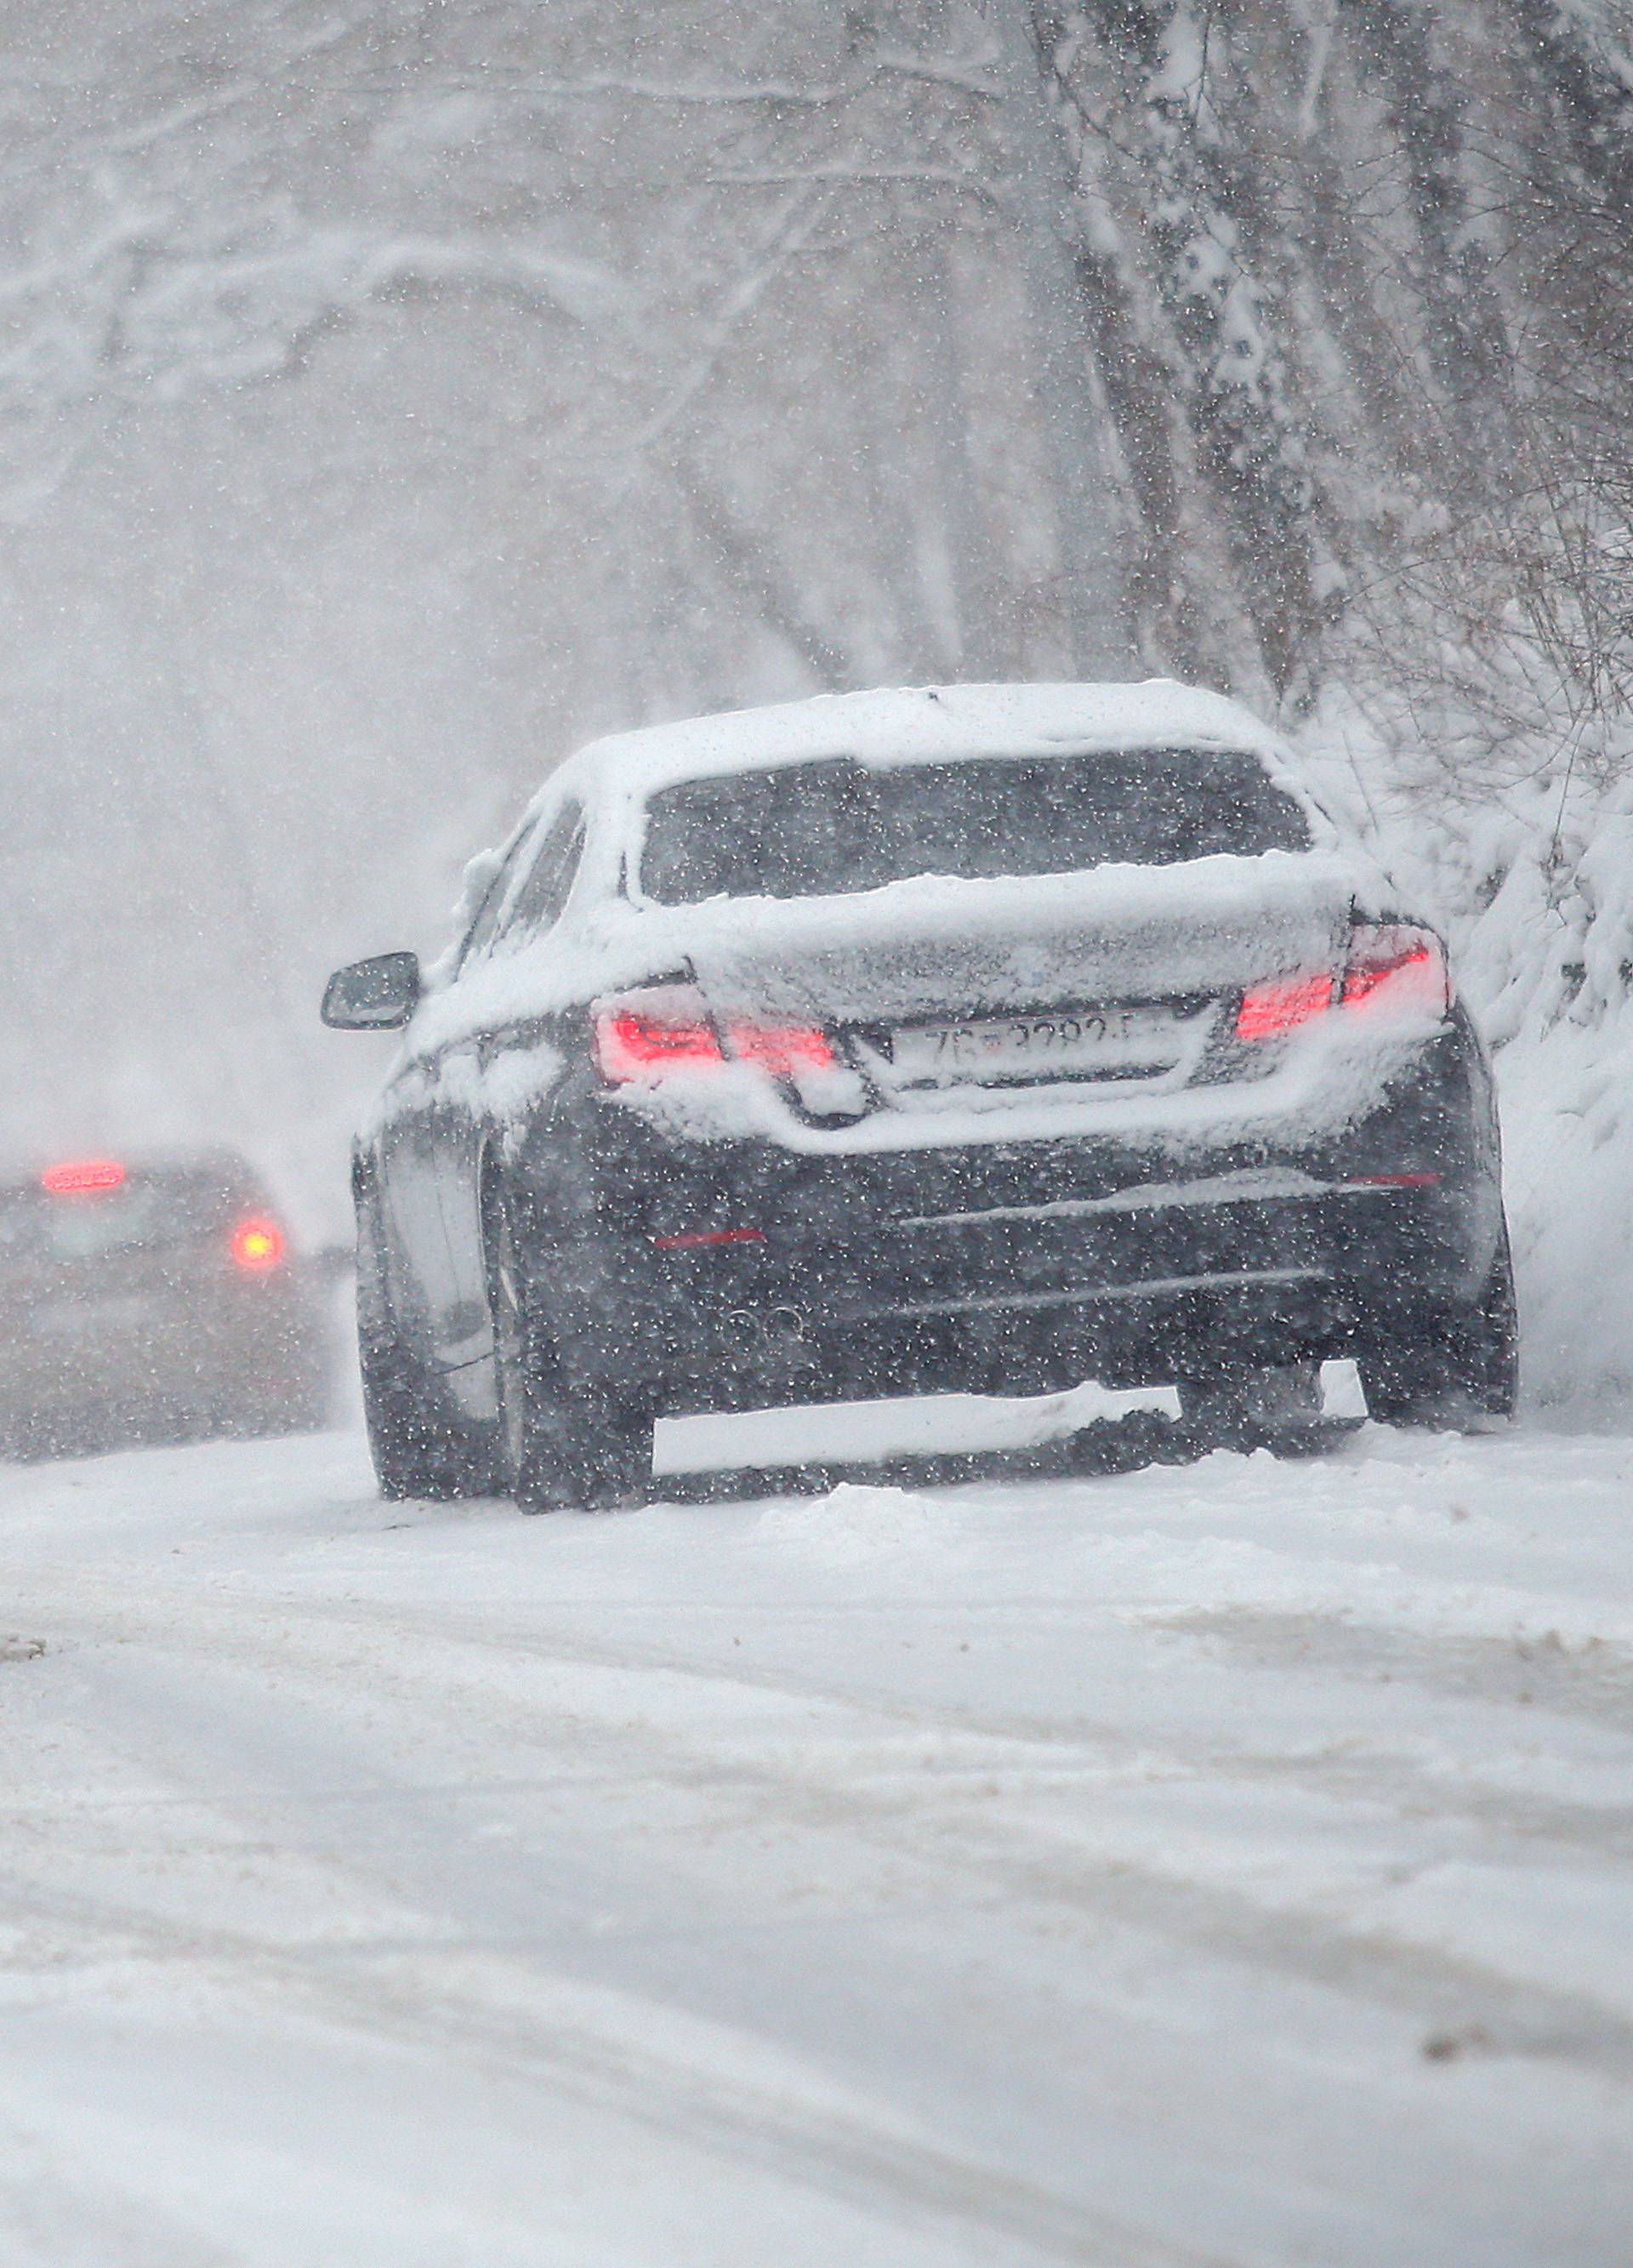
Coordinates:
[1222,1863]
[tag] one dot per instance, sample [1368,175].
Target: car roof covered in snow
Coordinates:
[615,777]
[923,725]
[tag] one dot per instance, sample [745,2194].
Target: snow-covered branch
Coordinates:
[793,230]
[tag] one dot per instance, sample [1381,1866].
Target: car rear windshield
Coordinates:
[148,1211]
[828,828]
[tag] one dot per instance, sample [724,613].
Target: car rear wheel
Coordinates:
[572,1439]
[1458,1369]
[421,1446]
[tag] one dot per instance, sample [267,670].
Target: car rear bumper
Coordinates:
[1158,1291]
[726,1276]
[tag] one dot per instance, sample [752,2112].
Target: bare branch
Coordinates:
[794,227]
[840,173]
[968,74]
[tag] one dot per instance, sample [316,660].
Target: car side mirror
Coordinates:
[372,996]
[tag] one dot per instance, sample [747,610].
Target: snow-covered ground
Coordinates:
[1221,1863]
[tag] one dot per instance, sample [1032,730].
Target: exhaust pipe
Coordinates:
[791,1334]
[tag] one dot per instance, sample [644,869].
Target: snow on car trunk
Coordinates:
[939,946]
[1014,1007]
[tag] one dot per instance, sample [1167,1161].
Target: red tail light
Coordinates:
[82,1177]
[782,1048]
[1392,970]
[631,1044]
[258,1246]
[1397,971]
[1269,1010]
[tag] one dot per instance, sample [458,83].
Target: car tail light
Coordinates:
[1392,970]
[257,1246]
[634,1043]
[630,1045]
[782,1048]
[81,1177]
[1269,1010]
[1396,971]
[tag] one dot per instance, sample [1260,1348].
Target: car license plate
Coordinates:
[1088,1043]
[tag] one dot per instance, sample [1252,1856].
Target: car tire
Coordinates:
[573,1441]
[421,1446]
[1459,1371]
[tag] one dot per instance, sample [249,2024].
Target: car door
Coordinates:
[463,1124]
[412,1235]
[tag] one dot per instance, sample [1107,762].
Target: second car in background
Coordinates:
[153,1297]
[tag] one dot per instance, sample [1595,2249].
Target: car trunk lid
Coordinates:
[1122,973]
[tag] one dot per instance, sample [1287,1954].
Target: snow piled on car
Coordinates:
[930,942]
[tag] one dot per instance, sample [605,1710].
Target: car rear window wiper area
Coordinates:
[830,826]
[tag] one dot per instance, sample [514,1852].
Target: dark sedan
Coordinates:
[986,1038]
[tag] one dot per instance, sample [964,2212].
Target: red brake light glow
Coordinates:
[1391,970]
[82,1177]
[632,1044]
[1269,1010]
[782,1048]
[1399,971]
[258,1245]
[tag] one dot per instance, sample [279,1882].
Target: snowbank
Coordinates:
[1530,871]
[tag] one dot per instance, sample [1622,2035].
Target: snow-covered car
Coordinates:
[988,1038]
[153,1297]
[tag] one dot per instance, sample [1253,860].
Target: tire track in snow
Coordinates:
[427,1678]
[54,2214]
[859,2162]
[1514,1673]
[1014,1854]
[1592,1680]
